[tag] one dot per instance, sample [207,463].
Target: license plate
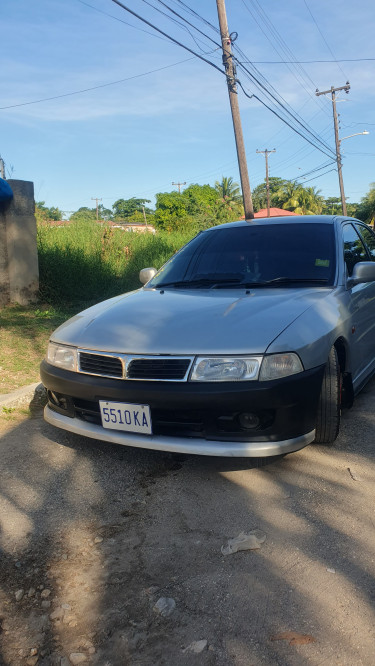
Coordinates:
[126,416]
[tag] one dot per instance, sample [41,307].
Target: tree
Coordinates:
[195,208]
[366,209]
[230,203]
[332,206]
[228,189]
[84,214]
[45,214]
[104,213]
[302,200]
[170,212]
[123,208]
[260,193]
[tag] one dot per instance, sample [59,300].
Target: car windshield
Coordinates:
[253,255]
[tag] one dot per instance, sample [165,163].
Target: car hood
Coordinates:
[188,321]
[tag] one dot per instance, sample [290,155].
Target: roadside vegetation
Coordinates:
[200,206]
[85,262]
[24,333]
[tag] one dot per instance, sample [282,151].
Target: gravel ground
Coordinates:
[112,556]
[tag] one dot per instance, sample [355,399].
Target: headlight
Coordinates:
[276,366]
[225,369]
[61,356]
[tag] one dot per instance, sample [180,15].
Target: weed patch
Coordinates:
[24,333]
[83,263]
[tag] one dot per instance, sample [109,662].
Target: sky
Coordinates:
[156,114]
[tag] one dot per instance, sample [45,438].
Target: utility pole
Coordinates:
[97,210]
[179,186]
[144,216]
[332,91]
[2,168]
[266,153]
[236,118]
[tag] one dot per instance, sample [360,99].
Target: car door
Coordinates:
[362,307]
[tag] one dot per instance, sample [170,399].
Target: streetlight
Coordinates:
[343,200]
[356,134]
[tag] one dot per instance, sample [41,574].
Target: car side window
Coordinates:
[354,249]
[368,237]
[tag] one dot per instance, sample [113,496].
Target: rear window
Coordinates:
[255,254]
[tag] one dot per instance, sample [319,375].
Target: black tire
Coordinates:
[329,409]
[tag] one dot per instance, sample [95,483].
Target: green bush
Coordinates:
[83,262]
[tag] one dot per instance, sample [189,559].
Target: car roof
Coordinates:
[293,219]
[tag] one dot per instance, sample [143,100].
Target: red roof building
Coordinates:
[274,212]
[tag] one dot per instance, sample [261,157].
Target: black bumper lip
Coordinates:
[294,399]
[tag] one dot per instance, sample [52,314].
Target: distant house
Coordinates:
[136,227]
[125,226]
[274,212]
[58,223]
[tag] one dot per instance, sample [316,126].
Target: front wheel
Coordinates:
[329,409]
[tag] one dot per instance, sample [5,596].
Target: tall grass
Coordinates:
[83,262]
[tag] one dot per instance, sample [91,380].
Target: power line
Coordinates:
[308,173]
[274,37]
[102,85]
[185,20]
[191,11]
[324,39]
[306,129]
[285,109]
[278,116]
[127,9]
[320,176]
[304,62]
[115,18]
[291,114]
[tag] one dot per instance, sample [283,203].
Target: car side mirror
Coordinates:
[364,271]
[146,274]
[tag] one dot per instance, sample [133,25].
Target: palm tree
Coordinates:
[287,195]
[229,190]
[299,199]
[311,201]
[229,205]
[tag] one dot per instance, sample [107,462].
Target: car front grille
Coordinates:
[154,368]
[124,366]
[98,364]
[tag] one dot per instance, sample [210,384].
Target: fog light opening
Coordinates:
[248,421]
[57,399]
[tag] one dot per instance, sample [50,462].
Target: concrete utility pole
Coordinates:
[179,186]
[144,216]
[266,153]
[97,210]
[2,168]
[332,91]
[236,118]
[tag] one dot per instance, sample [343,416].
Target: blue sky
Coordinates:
[136,137]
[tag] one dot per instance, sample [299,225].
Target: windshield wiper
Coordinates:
[275,282]
[293,280]
[199,282]
[222,283]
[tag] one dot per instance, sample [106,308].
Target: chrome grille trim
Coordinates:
[126,359]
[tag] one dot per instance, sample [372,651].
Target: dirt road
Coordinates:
[93,536]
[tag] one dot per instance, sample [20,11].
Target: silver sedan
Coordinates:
[247,342]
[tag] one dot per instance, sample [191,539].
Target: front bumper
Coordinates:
[179,444]
[192,417]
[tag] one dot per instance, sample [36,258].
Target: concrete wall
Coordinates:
[19,272]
